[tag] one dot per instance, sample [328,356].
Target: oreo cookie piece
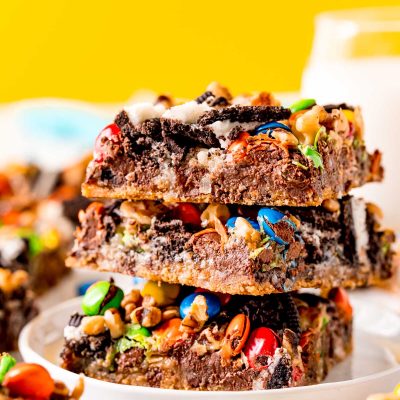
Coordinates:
[75,320]
[185,134]
[245,114]
[278,312]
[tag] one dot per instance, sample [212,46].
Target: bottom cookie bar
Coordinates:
[16,307]
[176,337]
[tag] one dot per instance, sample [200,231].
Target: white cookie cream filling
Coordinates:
[222,129]
[141,112]
[360,227]
[188,113]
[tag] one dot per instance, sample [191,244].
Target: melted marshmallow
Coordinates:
[141,112]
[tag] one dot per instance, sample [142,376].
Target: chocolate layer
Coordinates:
[340,246]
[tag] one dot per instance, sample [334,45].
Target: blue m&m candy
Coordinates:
[268,217]
[230,224]
[213,304]
[270,126]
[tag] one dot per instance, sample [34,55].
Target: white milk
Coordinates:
[373,83]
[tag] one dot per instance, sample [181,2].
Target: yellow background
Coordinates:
[105,50]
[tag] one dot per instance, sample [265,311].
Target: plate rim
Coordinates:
[28,353]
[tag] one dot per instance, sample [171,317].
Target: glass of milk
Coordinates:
[356,59]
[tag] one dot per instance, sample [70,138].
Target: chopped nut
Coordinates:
[132,297]
[264,99]
[331,205]
[114,323]
[19,278]
[146,316]
[197,315]
[244,230]
[169,313]
[139,211]
[340,122]
[165,100]
[375,210]
[213,212]
[10,281]
[5,280]
[286,138]
[93,325]
[308,124]
[128,310]
[148,301]
[218,90]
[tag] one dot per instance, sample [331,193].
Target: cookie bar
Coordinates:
[243,150]
[175,337]
[38,214]
[17,307]
[32,381]
[237,249]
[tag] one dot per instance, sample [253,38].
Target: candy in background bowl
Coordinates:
[53,133]
[372,367]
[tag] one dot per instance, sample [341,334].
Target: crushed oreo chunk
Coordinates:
[277,312]
[245,114]
[75,320]
[185,134]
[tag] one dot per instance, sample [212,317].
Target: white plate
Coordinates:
[373,367]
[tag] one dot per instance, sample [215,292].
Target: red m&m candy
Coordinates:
[110,132]
[261,344]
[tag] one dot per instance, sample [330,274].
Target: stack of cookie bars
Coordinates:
[232,208]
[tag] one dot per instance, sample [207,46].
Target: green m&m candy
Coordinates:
[6,363]
[302,105]
[100,297]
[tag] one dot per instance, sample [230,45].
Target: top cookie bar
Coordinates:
[244,150]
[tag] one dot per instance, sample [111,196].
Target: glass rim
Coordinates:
[385,18]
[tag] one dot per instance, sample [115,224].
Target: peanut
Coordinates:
[331,205]
[114,323]
[93,325]
[213,212]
